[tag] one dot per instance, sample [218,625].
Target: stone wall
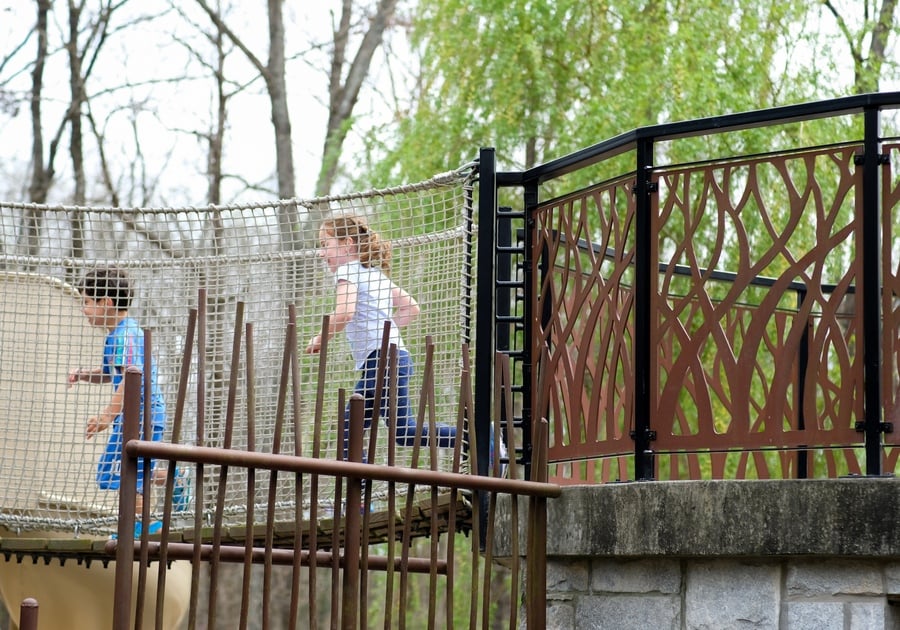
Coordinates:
[712,555]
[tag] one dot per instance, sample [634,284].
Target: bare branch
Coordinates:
[250,186]
[880,34]
[237,41]
[129,85]
[15,51]
[845,31]
[104,163]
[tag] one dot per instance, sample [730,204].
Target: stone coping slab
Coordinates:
[854,516]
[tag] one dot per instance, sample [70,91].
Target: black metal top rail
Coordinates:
[629,140]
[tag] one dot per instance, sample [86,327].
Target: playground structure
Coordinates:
[419,500]
[221,263]
[661,305]
[33,362]
[178,258]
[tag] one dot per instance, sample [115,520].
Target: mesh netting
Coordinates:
[250,254]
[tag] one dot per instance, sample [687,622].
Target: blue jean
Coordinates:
[406,422]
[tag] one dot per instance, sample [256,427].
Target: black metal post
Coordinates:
[484,317]
[871,297]
[643,316]
[800,397]
[533,351]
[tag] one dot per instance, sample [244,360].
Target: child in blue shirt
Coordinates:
[106,296]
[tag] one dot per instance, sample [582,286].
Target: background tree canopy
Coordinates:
[378,92]
[537,80]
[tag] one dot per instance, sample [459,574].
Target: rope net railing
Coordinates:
[263,256]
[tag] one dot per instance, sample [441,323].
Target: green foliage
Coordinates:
[539,79]
[467,574]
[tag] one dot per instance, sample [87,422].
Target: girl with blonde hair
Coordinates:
[366,298]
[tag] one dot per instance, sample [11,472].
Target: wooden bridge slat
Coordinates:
[420,515]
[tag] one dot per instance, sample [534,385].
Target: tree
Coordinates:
[876,29]
[343,91]
[114,93]
[273,74]
[40,176]
[346,78]
[539,80]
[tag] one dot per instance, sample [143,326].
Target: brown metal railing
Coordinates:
[422,502]
[28,615]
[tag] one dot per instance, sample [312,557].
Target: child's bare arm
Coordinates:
[406,309]
[87,375]
[344,309]
[101,421]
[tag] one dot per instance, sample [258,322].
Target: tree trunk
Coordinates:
[29,229]
[876,57]
[273,75]
[76,147]
[217,135]
[76,90]
[40,183]
[343,94]
[867,67]
[277,87]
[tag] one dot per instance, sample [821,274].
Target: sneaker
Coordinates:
[154,528]
[502,453]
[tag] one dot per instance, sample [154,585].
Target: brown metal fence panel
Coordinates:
[587,237]
[757,365]
[729,351]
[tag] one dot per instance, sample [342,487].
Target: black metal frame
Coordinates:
[641,142]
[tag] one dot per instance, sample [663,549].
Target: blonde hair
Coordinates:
[373,250]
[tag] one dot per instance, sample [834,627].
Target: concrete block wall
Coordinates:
[715,555]
[701,594]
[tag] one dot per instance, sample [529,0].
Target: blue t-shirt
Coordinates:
[124,347]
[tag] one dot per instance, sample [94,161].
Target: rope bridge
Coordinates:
[229,267]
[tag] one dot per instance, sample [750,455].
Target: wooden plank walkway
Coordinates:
[92,548]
